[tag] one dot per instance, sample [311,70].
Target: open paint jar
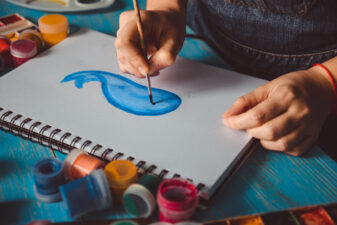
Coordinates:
[33,35]
[54,28]
[177,200]
[22,51]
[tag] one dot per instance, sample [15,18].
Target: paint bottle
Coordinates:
[5,54]
[140,198]
[79,164]
[33,35]
[177,200]
[120,174]
[48,175]
[87,194]
[22,51]
[54,28]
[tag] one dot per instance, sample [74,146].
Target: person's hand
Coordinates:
[287,113]
[164,33]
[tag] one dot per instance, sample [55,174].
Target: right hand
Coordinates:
[164,33]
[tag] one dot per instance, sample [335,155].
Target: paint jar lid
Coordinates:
[100,183]
[124,222]
[121,173]
[53,24]
[70,159]
[139,201]
[23,49]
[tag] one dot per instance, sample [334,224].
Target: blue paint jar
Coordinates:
[48,175]
[88,194]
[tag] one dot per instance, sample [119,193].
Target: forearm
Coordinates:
[170,5]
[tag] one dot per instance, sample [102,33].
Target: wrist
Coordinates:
[326,81]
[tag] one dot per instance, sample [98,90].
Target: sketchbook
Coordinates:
[74,96]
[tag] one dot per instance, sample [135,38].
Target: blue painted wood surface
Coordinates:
[268,181]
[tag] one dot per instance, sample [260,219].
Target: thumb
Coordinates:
[165,55]
[248,101]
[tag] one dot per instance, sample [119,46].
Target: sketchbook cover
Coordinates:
[191,140]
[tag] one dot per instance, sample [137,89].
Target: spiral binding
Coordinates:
[60,145]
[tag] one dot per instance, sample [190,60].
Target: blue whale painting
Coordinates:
[126,94]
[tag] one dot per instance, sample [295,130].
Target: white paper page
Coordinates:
[191,141]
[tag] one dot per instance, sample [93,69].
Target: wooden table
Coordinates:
[268,181]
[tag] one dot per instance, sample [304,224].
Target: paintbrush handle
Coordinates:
[140,27]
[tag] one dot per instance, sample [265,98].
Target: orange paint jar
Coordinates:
[78,164]
[54,28]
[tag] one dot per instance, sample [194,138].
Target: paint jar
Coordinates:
[161,223]
[88,194]
[177,200]
[79,164]
[187,223]
[5,54]
[120,174]
[22,51]
[33,35]
[140,198]
[54,28]
[48,175]
[125,222]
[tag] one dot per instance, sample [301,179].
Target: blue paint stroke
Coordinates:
[126,94]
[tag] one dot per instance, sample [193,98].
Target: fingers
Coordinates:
[165,55]
[130,57]
[275,128]
[247,101]
[295,147]
[256,116]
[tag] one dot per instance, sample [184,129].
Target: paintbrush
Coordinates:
[142,44]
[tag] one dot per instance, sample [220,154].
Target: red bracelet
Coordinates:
[333,84]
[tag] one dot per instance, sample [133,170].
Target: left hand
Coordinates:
[287,113]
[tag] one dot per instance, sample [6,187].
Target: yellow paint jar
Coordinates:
[120,174]
[54,28]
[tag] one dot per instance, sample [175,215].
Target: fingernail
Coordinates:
[142,70]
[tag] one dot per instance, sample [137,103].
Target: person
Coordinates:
[276,39]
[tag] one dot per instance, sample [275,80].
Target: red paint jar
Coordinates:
[177,200]
[5,54]
[22,51]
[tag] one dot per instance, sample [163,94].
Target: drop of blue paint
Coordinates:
[126,94]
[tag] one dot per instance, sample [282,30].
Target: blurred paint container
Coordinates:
[87,194]
[22,51]
[5,55]
[120,174]
[79,164]
[54,28]
[125,222]
[140,198]
[33,35]
[48,176]
[177,200]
